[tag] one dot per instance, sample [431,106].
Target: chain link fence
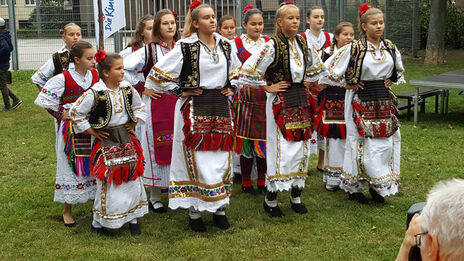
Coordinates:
[38,21]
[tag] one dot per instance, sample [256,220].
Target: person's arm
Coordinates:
[133,63]
[50,95]
[80,111]
[43,74]
[336,66]
[409,240]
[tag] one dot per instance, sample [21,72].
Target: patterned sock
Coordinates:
[246,164]
[271,203]
[296,192]
[193,214]
[262,168]
[296,200]
[220,212]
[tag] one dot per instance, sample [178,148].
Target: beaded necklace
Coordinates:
[117,99]
[382,57]
[295,54]
[213,54]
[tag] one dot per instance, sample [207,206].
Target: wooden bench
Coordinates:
[423,94]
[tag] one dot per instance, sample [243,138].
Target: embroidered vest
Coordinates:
[60,62]
[100,114]
[243,53]
[358,52]
[72,90]
[279,70]
[190,73]
[151,57]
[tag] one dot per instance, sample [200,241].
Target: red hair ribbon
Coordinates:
[194,4]
[175,15]
[100,56]
[289,3]
[248,7]
[363,8]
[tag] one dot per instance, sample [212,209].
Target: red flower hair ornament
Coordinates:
[363,8]
[100,56]
[195,4]
[175,15]
[248,7]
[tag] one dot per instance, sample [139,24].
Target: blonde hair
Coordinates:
[65,28]
[191,17]
[280,13]
[365,17]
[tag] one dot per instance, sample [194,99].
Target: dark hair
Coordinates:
[157,25]
[226,18]
[337,31]
[107,63]
[78,49]
[308,13]
[251,12]
[137,39]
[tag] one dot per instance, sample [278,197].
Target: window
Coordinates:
[3,2]
[30,2]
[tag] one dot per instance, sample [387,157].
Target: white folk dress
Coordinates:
[287,161]
[368,161]
[155,175]
[206,174]
[69,188]
[45,72]
[114,205]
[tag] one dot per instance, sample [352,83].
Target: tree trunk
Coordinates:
[435,50]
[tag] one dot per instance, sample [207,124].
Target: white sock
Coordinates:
[193,214]
[271,203]
[220,212]
[96,224]
[296,200]
[133,221]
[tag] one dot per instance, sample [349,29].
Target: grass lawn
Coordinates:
[334,228]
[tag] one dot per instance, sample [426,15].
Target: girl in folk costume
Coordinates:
[319,39]
[227,27]
[280,67]
[59,62]
[109,112]
[330,122]
[142,36]
[251,105]
[367,68]
[74,183]
[157,133]
[204,66]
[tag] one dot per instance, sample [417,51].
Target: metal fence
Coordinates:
[38,21]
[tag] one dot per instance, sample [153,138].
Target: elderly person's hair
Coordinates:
[443,216]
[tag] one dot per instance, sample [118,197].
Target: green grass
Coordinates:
[334,228]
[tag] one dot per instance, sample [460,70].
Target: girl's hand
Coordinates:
[195,92]
[130,126]
[99,134]
[388,83]
[65,115]
[151,93]
[277,87]
[227,91]
[355,87]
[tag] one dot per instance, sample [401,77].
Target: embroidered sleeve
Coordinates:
[124,53]
[138,107]
[176,92]
[80,110]
[234,69]
[41,76]
[253,70]
[336,67]
[315,67]
[49,96]
[133,64]
[164,74]
[399,67]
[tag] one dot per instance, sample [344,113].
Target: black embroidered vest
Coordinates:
[100,114]
[279,70]
[190,73]
[358,52]
[60,62]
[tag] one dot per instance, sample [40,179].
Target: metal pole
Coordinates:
[238,16]
[101,41]
[414,16]
[39,19]
[13,32]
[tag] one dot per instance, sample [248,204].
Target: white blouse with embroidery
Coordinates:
[377,65]
[212,67]
[81,108]
[317,41]
[253,70]
[249,45]
[44,73]
[49,97]
[134,63]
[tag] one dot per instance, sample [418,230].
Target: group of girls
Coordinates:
[202,98]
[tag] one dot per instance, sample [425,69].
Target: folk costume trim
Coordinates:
[242,53]
[60,62]
[330,121]
[72,90]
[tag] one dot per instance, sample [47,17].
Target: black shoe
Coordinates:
[221,221]
[319,169]
[6,109]
[376,196]
[101,231]
[262,189]
[237,178]
[134,229]
[299,208]
[359,197]
[197,225]
[16,104]
[272,211]
[249,190]
[159,210]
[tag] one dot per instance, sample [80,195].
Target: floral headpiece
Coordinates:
[248,7]
[100,56]
[287,3]
[195,4]
[175,15]
[363,8]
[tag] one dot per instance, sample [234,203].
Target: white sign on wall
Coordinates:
[114,17]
